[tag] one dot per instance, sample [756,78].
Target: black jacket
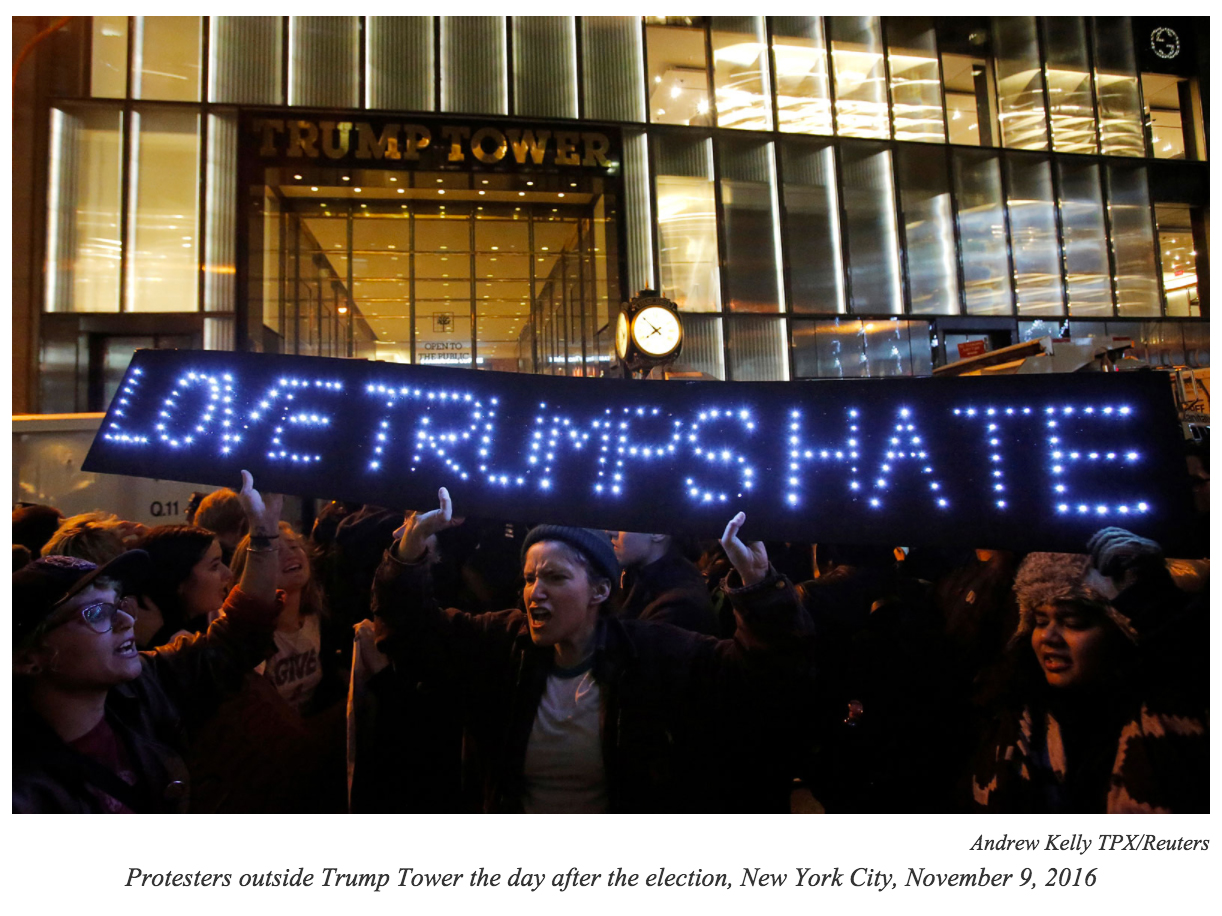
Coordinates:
[668,590]
[671,700]
[179,687]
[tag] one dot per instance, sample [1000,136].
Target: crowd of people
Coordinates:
[383,663]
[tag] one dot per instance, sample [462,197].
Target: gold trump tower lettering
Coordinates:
[397,141]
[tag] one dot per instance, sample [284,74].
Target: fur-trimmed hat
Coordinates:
[1060,578]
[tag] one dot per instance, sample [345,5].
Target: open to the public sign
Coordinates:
[1023,462]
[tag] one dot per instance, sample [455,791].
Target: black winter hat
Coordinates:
[593,543]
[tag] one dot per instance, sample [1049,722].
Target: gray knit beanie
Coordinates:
[594,544]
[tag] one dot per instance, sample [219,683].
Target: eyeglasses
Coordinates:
[101,617]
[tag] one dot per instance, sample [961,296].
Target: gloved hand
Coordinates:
[1114,552]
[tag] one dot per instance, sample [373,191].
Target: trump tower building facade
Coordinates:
[833,196]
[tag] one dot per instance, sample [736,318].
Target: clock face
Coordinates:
[621,336]
[1165,43]
[656,331]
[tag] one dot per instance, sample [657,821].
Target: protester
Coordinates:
[309,666]
[660,585]
[221,513]
[573,710]
[93,536]
[33,526]
[188,581]
[1106,708]
[98,726]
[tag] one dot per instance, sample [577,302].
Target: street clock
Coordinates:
[648,331]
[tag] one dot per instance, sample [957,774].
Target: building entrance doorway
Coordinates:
[493,271]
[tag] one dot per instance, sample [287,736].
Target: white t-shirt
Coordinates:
[564,771]
[295,668]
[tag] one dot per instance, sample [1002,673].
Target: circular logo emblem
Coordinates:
[1165,43]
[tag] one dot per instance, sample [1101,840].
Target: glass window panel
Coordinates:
[1020,85]
[757,348]
[218,333]
[687,224]
[507,236]
[888,350]
[1196,343]
[399,62]
[869,204]
[108,58]
[246,53]
[499,326]
[220,217]
[1037,265]
[857,65]
[163,221]
[748,200]
[443,233]
[1133,242]
[612,68]
[740,72]
[1086,267]
[829,349]
[916,84]
[545,66]
[1069,89]
[1179,260]
[920,343]
[166,58]
[678,74]
[812,227]
[702,346]
[933,275]
[982,234]
[443,333]
[1169,104]
[324,59]
[83,242]
[1116,82]
[799,56]
[473,65]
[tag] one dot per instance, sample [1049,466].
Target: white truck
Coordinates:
[48,450]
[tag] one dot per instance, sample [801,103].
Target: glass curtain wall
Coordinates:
[916,83]
[84,210]
[1020,84]
[1086,262]
[859,73]
[734,224]
[873,248]
[687,222]
[742,95]
[752,255]
[1068,75]
[1037,267]
[812,227]
[677,79]
[1120,131]
[799,58]
[929,234]
[163,216]
[982,233]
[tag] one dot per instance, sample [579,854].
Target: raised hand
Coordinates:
[751,560]
[262,512]
[418,527]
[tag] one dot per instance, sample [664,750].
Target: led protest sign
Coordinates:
[1025,462]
